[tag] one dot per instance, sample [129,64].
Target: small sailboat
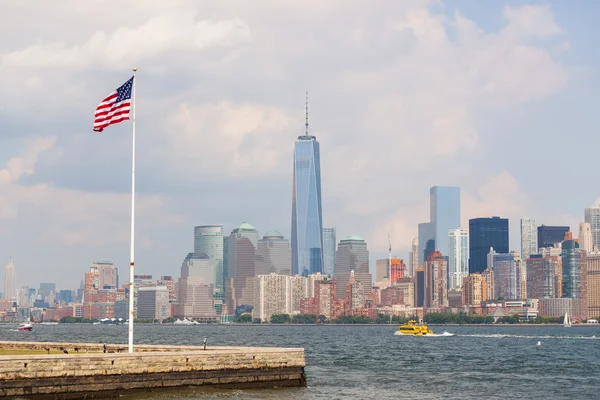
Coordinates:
[567,320]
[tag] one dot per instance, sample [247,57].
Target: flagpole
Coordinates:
[131,262]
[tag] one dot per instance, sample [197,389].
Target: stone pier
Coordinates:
[83,370]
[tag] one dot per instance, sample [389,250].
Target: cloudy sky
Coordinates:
[498,98]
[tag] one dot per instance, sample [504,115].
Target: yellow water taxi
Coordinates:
[412,329]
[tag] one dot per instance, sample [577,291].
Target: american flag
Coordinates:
[114,108]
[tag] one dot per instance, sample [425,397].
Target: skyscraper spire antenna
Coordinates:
[306,123]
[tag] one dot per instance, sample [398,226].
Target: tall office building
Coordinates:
[436,281]
[195,288]
[208,239]
[307,214]
[444,204]
[528,237]
[485,233]
[585,237]
[507,275]
[241,262]
[426,241]
[10,281]
[107,274]
[153,303]
[382,269]
[413,259]
[46,288]
[352,255]
[329,243]
[458,257]
[273,254]
[444,214]
[593,284]
[272,295]
[550,236]
[574,281]
[592,217]
[544,276]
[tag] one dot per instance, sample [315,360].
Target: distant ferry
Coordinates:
[592,321]
[412,329]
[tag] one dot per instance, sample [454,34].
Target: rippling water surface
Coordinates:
[370,362]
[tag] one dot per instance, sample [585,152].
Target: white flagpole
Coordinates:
[131,262]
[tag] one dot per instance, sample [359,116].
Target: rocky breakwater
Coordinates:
[85,370]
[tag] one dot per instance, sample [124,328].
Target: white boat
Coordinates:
[592,321]
[26,326]
[567,320]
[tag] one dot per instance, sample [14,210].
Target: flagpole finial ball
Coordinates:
[135,69]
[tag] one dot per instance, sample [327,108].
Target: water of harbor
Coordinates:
[370,362]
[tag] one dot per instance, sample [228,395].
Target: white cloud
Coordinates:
[130,46]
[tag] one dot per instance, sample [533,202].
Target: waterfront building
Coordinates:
[507,275]
[474,290]
[592,217]
[153,303]
[241,261]
[574,281]
[108,277]
[585,240]
[413,258]
[273,254]
[529,238]
[195,288]
[436,284]
[544,276]
[272,295]
[352,255]
[458,257]
[558,307]
[10,281]
[329,249]
[485,233]
[208,239]
[299,289]
[169,283]
[593,284]
[324,301]
[549,236]
[307,214]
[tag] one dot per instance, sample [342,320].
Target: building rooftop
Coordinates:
[273,234]
[358,238]
[245,227]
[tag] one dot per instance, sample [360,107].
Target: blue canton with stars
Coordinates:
[124,92]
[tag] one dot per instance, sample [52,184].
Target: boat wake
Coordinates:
[443,334]
[507,336]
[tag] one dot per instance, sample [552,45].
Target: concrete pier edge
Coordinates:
[85,371]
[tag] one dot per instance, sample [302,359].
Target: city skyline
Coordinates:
[208,135]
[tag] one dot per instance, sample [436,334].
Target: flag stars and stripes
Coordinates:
[114,108]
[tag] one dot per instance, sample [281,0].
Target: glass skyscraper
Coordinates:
[208,239]
[444,203]
[307,218]
[444,215]
[329,242]
[485,233]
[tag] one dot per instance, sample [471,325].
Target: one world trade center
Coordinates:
[307,217]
